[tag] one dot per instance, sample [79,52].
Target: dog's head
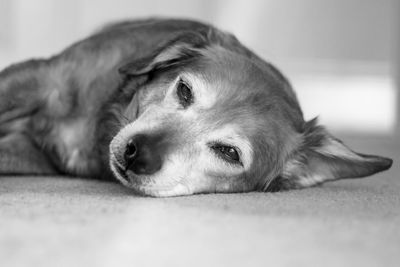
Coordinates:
[210,116]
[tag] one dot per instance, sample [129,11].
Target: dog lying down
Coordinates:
[168,107]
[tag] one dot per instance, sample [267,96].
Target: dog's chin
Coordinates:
[155,191]
[138,186]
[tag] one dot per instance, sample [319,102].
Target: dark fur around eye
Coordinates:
[228,153]
[184,92]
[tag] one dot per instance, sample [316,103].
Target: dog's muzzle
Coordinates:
[142,155]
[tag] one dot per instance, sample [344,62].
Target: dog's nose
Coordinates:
[130,152]
[141,156]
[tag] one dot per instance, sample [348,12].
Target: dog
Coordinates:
[168,107]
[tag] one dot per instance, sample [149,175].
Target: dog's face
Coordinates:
[192,129]
[211,120]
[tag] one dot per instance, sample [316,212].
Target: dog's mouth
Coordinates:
[119,171]
[123,177]
[142,189]
[122,172]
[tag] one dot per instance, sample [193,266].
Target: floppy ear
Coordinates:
[175,52]
[320,158]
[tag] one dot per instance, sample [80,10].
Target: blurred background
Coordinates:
[342,56]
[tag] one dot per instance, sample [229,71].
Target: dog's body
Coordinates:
[169,107]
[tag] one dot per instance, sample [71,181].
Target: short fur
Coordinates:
[75,112]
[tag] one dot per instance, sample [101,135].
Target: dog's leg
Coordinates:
[18,155]
[21,96]
[20,86]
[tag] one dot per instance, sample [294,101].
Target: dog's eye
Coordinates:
[184,93]
[228,153]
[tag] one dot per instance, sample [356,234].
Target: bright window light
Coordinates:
[350,103]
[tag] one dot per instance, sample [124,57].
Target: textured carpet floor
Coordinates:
[58,221]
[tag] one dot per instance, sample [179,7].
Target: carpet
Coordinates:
[64,221]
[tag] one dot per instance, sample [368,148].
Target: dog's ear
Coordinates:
[320,158]
[174,52]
